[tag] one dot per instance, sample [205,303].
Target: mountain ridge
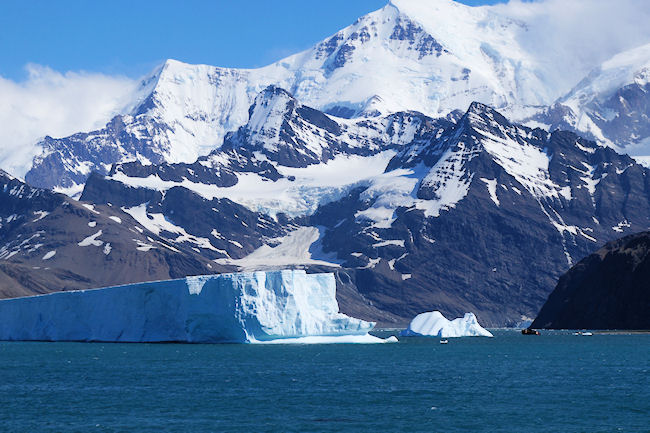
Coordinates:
[184,111]
[476,195]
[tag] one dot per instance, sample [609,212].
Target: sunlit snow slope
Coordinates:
[433,57]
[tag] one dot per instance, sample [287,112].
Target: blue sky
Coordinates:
[131,37]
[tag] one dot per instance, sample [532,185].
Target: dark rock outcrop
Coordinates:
[609,289]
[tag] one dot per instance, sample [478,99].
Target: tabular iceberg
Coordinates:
[241,307]
[435,324]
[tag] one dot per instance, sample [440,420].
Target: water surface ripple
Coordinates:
[556,382]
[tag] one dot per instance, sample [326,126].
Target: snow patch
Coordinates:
[90,207]
[491,185]
[49,255]
[620,227]
[397,242]
[526,163]
[40,214]
[143,246]
[312,186]
[157,223]
[92,240]
[449,179]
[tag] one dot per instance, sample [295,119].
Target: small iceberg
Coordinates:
[436,325]
[287,306]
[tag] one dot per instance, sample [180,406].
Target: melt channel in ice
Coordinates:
[274,306]
[435,324]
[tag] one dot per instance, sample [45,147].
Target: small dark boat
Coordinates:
[530,331]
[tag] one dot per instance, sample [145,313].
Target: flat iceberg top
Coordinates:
[239,307]
[435,324]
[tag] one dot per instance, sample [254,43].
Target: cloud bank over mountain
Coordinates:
[580,32]
[57,104]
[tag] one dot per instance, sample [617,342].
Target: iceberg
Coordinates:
[435,324]
[286,305]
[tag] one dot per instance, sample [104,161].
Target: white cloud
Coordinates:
[51,103]
[575,36]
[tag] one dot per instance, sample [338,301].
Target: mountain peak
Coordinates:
[434,14]
[269,109]
[273,91]
[406,6]
[479,116]
[152,84]
[163,71]
[479,108]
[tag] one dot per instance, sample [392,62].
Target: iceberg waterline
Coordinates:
[287,305]
[435,324]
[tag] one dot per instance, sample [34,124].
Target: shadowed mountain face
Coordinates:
[505,210]
[416,214]
[609,289]
[49,242]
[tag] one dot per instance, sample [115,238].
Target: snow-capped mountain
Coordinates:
[359,155]
[493,214]
[611,104]
[479,215]
[289,158]
[49,242]
[433,57]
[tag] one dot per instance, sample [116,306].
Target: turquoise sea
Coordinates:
[556,382]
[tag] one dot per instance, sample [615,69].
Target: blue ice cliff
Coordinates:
[241,307]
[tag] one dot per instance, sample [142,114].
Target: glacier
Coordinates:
[285,305]
[434,324]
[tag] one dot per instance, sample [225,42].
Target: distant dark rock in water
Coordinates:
[609,289]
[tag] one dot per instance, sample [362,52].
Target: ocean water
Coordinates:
[556,382]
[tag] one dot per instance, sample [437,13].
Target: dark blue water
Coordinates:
[510,383]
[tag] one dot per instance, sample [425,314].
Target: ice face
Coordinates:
[242,307]
[435,324]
